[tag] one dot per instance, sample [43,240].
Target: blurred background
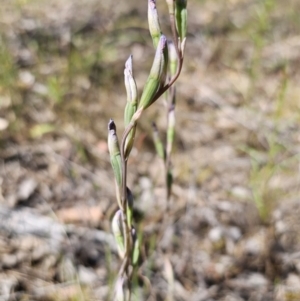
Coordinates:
[234,230]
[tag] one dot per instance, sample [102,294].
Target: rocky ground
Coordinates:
[233,230]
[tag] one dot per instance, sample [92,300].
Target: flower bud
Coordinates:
[161,59]
[153,22]
[157,74]
[181,18]
[131,105]
[114,152]
[131,90]
[117,228]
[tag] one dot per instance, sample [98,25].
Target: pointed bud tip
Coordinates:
[172,107]
[128,63]
[152,4]
[111,125]
[162,42]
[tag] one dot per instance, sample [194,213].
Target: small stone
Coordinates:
[293,281]
[7,285]
[257,280]
[80,214]
[3,124]
[256,244]
[215,234]
[280,227]
[26,79]
[26,189]
[234,233]
[9,261]
[40,252]
[86,275]
[40,89]
[224,206]
[241,192]
[12,260]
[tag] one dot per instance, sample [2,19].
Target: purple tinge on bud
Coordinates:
[159,62]
[128,64]
[111,125]
[121,289]
[114,151]
[113,144]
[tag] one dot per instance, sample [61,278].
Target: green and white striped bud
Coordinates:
[160,63]
[117,228]
[129,209]
[131,89]
[171,129]
[157,75]
[114,152]
[131,105]
[136,247]
[181,18]
[153,22]
[157,142]
[172,58]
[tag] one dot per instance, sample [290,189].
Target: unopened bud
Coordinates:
[131,90]
[131,105]
[114,152]
[153,21]
[157,74]
[160,59]
[181,18]
[117,228]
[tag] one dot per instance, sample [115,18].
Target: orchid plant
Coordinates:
[165,70]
